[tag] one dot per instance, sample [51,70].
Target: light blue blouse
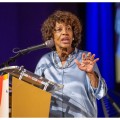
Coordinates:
[78,97]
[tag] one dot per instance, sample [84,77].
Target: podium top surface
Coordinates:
[27,76]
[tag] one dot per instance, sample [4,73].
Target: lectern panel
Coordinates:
[29,101]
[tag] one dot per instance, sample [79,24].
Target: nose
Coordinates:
[65,31]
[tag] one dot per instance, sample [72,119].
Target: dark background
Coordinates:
[20,25]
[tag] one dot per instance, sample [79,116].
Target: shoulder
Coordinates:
[46,57]
[80,52]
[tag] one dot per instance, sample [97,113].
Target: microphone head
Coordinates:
[49,43]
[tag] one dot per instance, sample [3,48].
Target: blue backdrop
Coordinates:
[100,38]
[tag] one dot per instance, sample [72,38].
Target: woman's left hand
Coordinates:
[87,62]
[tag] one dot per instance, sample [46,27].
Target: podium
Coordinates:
[29,94]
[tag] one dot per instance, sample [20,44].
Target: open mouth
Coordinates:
[65,40]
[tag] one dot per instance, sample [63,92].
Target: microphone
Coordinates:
[47,44]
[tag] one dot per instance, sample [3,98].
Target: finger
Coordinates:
[92,57]
[80,65]
[95,60]
[83,56]
[88,56]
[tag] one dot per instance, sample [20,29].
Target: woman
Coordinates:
[75,69]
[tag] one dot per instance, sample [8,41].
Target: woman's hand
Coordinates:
[87,65]
[87,62]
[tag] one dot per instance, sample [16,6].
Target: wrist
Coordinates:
[94,79]
[92,72]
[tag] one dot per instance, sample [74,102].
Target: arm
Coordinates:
[87,65]
[93,79]
[97,83]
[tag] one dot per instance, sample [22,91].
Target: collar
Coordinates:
[70,58]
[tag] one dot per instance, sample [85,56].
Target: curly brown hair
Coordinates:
[62,17]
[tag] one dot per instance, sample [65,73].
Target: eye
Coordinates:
[69,28]
[58,30]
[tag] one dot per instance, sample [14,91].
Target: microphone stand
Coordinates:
[48,44]
[13,59]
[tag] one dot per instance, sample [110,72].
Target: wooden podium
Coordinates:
[31,94]
[28,100]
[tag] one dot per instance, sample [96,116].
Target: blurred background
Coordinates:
[20,25]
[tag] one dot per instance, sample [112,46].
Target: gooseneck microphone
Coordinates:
[47,44]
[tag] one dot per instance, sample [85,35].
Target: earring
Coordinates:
[73,39]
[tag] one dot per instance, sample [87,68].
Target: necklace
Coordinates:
[69,59]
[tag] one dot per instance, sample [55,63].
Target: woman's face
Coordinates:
[63,36]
